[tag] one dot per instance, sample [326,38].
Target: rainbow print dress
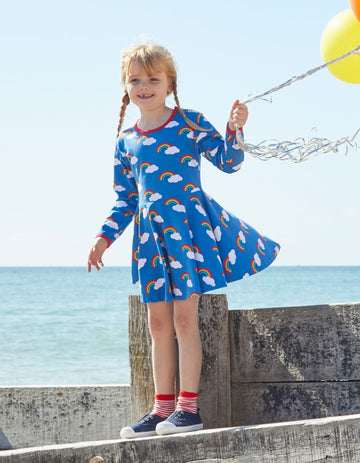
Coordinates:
[184,243]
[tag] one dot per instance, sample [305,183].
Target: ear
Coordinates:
[170,88]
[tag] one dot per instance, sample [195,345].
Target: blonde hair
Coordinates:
[151,56]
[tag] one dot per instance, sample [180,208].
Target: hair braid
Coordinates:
[125,102]
[189,121]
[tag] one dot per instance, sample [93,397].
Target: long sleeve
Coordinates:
[127,198]
[224,154]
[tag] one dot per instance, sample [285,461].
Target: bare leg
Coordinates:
[188,336]
[161,325]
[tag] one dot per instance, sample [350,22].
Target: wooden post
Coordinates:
[215,388]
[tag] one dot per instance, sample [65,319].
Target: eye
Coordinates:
[154,79]
[134,80]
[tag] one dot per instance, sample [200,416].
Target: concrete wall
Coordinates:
[33,416]
[335,440]
[294,363]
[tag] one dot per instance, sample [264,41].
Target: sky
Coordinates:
[60,97]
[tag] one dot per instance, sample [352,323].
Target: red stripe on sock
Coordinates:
[187,401]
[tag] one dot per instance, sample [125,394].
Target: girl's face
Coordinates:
[148,92]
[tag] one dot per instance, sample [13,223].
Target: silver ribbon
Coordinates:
[300,149]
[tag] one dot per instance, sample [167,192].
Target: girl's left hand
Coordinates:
[238,115]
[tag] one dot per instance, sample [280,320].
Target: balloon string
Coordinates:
[302,76]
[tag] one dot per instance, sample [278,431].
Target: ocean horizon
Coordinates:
[61,325]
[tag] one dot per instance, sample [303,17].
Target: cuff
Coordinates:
[108,240]
[231,132]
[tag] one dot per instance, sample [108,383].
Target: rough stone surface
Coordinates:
[335,440]
[33,416]
[257,403]
[311,343]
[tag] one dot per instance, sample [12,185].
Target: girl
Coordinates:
[185,243]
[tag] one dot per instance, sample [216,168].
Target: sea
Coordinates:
[61,325]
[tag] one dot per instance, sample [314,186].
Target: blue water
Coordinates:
[60,325]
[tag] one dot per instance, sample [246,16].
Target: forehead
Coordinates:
[136,68]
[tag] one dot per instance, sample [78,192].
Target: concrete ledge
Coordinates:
[335,439]
[40,415]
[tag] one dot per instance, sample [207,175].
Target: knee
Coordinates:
[185,325]
[159,327]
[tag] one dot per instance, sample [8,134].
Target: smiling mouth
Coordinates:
[145,97]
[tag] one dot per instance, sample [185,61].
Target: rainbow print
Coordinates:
[215,249]
[186,157]
[194,294]
[132,195]
[122,135]
[239,244]
[186,248]
[166,175]
[205,271]
[157,259]
[153,214]
[207,225]
[229,137]
[189,186]
[216,135]
[223,221]
[229,161]
[259,248]
[144,165]
[170,230]
[137,218]
[227,265]
[199,117]
[242,226]
[172,201]
[125,171]
[149,286]
[196,249]
[163,147]
[141,138]
[185,130]
[185,276]
[128,213]
[254,266]
[147,194]
[136,255]
[196,200]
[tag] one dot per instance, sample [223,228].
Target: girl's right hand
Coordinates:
[95,256]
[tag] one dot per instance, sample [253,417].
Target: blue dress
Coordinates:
[184,243]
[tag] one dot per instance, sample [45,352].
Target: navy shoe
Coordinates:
[180,421]
[143,428]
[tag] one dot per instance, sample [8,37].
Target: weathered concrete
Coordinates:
[215,384]
[311,343]
[33,416]
[335,440]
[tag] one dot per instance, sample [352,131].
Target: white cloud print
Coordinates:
[199,257]
[159,283]
[193,163]
[175,264]
[190,254]
[209,281]
[232,256]
[144,237]
[116,161]
[141,263]
[217,233]
[158,219]
[155,197]
[257,259]
[200,209]
[171,124]
[134,159]
[151,169]
[176,236]
[112,224]
[175,178]
[200,136]
[119,188]
[177,292]
[149,141]
[120,203]
[172,150]
[179,208]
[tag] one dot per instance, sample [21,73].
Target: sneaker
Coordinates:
[143,428]
[180,421]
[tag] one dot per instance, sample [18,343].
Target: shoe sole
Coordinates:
[133,435]
[163,430]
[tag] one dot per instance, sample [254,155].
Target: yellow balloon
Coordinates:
[342,34]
